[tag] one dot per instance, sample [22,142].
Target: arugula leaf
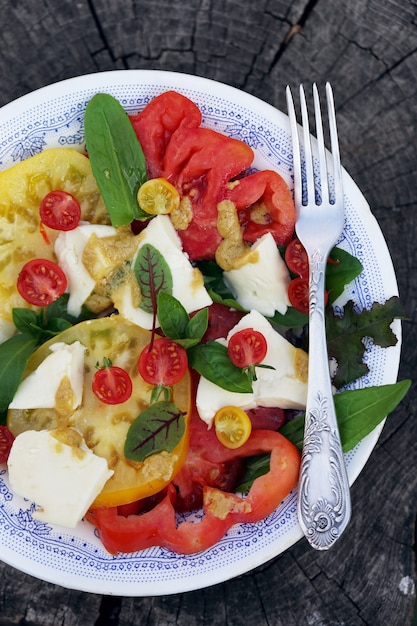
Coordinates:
[358,411]
[14,355]
[212,361]
[153,275]
[158,428]
[177,324]
[116,157]
[346,334]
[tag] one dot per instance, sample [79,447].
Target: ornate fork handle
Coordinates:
[323,505]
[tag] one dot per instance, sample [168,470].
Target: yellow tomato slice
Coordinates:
[233,426]
[103,426]
[158,197]
[23,187]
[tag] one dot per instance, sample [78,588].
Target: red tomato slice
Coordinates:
[221,321]
[247,347]
[163,362]
[60,210]
[177,148]
[41,282]
[296,258]
[112,385]
[6,442]
[221,510]
[266,417]
[266,205]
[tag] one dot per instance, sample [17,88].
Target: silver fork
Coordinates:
[324,498]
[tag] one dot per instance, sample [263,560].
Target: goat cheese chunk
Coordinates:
[261,284]
[59,378]
[187,281]
[56,471]
[69,247]
[284,386]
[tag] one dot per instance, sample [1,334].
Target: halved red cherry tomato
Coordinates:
[6,442]
[298,294]
[60,210]
[41,282]
[296,258]
[247,347]
[163,362]
[112,384]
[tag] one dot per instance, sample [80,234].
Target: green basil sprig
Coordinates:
[116,157]
[177,324]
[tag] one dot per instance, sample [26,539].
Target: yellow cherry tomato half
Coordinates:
[233,426]
[158,197]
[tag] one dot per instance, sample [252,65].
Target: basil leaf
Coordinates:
[341,272]
[177,324]
[14,355]
[172,316]
[26,321]
[197,325]
[359,411]
[116,157]
[158,428]
[212,361]
[153,275]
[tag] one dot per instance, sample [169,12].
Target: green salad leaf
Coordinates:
[358,411]
[177,324]
[153,275]
[14,355]
[212,361]
[158,428]
[346,334]
[116,157]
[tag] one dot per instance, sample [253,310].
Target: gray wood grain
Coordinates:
[367,49]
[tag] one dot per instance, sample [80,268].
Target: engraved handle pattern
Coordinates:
[324,498]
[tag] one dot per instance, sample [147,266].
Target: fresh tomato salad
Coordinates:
[154,298]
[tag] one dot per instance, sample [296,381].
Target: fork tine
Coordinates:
[321,147]
[307,148]
[334,142]
[298,183]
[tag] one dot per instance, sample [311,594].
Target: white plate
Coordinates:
[52,117]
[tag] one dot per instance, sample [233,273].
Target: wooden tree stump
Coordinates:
[367,50]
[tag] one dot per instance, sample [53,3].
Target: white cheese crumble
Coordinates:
[39,389]
[69,248]
[263,285]
[63,480]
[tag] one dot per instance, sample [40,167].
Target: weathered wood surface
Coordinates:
[367,49]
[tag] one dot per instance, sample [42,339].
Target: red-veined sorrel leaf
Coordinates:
[153,274]
[159,427]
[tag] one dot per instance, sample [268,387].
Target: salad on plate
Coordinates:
[153,319]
